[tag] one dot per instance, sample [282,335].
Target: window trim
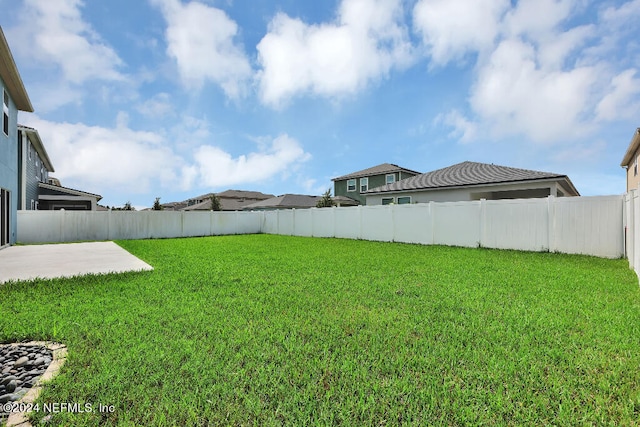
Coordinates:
[386,178]
[351,187]
[364,180]
[404,197]
[391,200]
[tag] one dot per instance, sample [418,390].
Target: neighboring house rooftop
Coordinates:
[631,150]
[11,77]
[230,200]
[344,201]
[469,174]
[241,194]
[286,201]
[67,190]
[375,170]
[34,137]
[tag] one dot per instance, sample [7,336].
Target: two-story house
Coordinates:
[630,161]
[36,189]
[14,98]
[34,167]
[356,184]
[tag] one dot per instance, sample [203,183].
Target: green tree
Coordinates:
[215,203]
[326,201]
[156,205]
[128,207]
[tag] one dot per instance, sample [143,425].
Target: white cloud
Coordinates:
[622,101]
[157,106]
[537,75]
[217,168]
[515,95]
[200,39]
[335,59]
[102,160]
[452,28]
[98,158]
[537,18]
[463,129]
[55,33]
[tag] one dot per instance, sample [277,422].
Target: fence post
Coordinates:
[432,215]
[63,224]
[293,222]
[483,226]
[551,222]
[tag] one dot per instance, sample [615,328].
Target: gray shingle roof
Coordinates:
[376,170]
[286,201]
[465,173]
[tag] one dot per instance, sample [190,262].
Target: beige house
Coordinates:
[473,181]
[630,161]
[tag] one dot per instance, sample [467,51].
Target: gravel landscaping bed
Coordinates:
[20,368]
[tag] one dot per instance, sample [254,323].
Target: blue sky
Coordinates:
[171,98]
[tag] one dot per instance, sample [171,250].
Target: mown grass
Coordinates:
[272,330]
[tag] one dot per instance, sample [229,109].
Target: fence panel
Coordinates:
[521,224]
[126,225]
[377,223]
[412,223]
[588,225]
[39,226]
[270,222]
[302,222]
[456,223]
[323,222]
[286,222]
[162,225]
[347,222]
[248,222]
[223,223]
[196,223]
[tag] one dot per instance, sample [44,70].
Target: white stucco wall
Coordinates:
[467,193]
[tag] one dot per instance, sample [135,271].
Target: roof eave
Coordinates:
[631,149]
[11,77]
[70,191]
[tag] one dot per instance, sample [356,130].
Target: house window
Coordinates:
[404,200]
[387,200]
[5,112]
[351,185]
[635,167]
[390,178]
[364,184]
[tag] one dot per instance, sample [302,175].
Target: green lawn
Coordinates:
[271,330]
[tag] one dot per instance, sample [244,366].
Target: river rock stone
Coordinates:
[21,362]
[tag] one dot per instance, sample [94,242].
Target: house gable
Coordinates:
[355,184]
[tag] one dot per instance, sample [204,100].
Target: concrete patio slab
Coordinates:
[66,260]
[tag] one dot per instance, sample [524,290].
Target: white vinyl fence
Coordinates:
[578,225]
[73,226]
[581,225]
